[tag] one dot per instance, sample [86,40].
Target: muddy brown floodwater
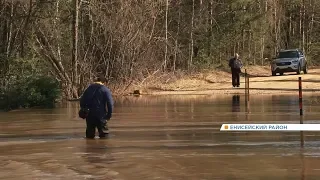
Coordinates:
[163,137]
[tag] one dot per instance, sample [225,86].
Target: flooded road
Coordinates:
[163,137]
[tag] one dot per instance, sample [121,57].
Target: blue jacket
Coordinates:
[98,101]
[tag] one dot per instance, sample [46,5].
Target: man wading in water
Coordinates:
[235,64]
[96,98]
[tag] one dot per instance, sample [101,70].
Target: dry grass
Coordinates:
[259,71]
[200,80]
[219,82]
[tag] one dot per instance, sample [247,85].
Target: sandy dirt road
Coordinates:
[261,82]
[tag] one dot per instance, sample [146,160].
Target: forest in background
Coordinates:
[72,41]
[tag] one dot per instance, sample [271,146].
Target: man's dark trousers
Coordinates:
[235,77]
[94,122]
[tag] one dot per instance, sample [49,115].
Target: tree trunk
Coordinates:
[289,33]
[300,25]
[311,26]
[249,46]
[176,40]
[243,43]
[263,33]
[303,25]
[166,48]
[279,42]
[275,27]
[9,40]
[25,28]
[254,53]
[48,52]
[191,35]
[75,46]
[56,21]
[210,34]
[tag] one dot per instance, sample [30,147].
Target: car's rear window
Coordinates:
[288,54]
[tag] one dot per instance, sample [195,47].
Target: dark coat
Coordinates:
[97,97]
[231,65]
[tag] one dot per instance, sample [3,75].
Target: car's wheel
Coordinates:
[273,73]
[299,69]
[305,70]
[281,74]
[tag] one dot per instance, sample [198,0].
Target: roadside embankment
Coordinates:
[219,82]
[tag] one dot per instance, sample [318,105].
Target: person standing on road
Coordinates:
[96,98]
[235,64]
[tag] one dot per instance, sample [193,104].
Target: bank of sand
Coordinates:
[219,82]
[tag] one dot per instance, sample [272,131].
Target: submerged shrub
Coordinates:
[42,91]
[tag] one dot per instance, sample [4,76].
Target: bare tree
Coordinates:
[166,45]
[75,45]
[191,36]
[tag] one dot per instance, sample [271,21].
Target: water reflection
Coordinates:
[96,151]
[164,137]
[236,103]
[303,168]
